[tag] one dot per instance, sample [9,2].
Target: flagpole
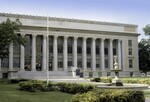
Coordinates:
[47,71]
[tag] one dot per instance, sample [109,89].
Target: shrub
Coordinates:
[95,79]
[110,96]
[71,88]
[32,86]
[140,81]
[106,79]
[74,88]
[14,81]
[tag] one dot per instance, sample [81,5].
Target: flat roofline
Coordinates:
[66,19]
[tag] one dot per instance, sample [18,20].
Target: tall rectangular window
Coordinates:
[106,51]
[130,47]
[130,63]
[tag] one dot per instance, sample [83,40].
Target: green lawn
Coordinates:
[147,93]
[10,93]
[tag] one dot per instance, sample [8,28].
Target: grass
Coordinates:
[10,93]
[147,93]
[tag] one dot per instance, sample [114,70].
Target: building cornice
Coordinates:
[66,20]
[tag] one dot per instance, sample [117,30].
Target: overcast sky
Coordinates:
[122,11]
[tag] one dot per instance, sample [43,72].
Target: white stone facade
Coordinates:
[88,45]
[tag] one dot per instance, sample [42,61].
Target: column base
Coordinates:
[86,74]
[104,74]
[95,74]
[12,74]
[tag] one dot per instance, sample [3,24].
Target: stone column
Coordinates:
[33,52]
[11,57]
[111,53]
[55,53]
[22,60]
[65,53]
[75,52]
[102,55]
[95,74]
[44,53]
[119,53]
[93,55]
[84,54]
[84,57]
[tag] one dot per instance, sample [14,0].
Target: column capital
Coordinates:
[84,38]
[75,37]
[102,39]
[44,36]
[55,36]
[94,38]
[111,39]
[65,37]
[119,40]
[34,35]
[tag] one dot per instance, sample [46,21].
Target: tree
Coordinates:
[144,55]
[8,35]
[146,29]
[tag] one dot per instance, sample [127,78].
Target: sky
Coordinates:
[118,11]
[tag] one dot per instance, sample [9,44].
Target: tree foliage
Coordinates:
[144,55]
[8,35]
[146,29]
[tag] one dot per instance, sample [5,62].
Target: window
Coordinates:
[69,63]
[60,49]
[97,63]
[79,63]
[106,51]
[70,49]
[60,64]
[130,51]
[79,50]
[106,63]
[97,50]
[130,63]
[50,49]
[114,51]
[130,47]
[130,43]
[88,64]
[88,50]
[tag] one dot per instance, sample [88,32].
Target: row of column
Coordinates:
[65,54]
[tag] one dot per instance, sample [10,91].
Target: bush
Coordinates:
[140,81]
[95,79]
[32,86]
[110,96]
[73,88]
[14,81]
[106,79]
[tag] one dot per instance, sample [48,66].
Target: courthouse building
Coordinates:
[63,44]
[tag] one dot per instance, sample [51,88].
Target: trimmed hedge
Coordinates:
[125,80]
[71,88]
[110,96]
[74,88]
[139,81]
[102,79]
[33,86]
